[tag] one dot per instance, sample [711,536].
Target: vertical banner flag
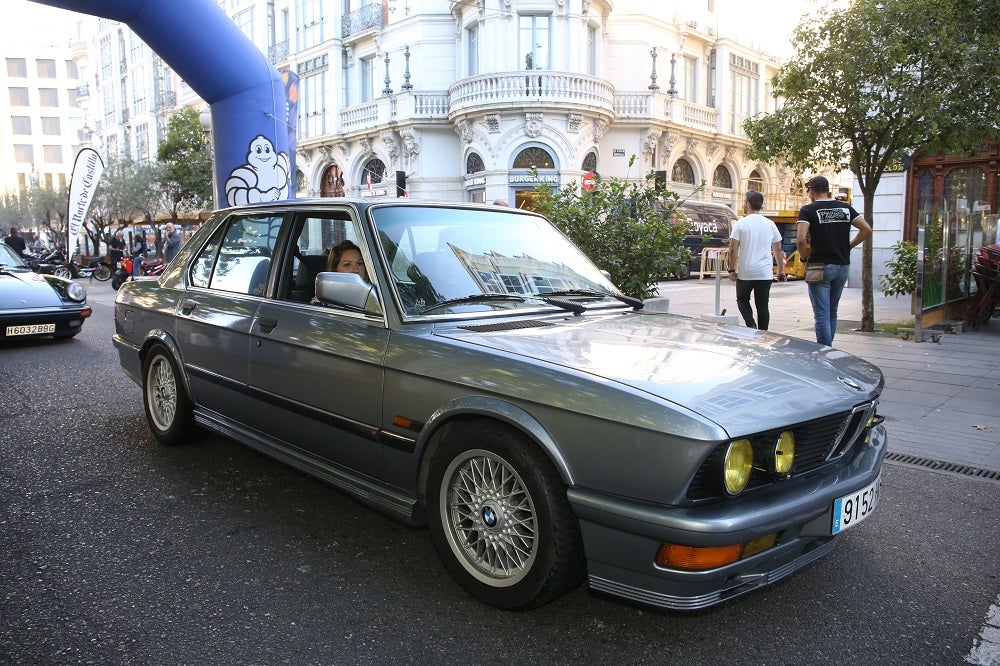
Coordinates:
[87,170]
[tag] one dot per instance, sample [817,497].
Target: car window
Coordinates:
[315,235]
[237,258]
[439,254]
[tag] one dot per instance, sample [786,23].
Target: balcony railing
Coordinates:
[532,88]
[650,105]
[369,16]
[278,52]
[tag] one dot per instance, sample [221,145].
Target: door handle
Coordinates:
[188,306]
[267,324]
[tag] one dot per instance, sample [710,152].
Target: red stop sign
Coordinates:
[589,181]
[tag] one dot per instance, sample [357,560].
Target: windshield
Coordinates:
[438,254]
[9,258]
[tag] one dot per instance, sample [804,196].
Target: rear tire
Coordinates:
[169,412]
[499,517]
[63,272]
[102,273]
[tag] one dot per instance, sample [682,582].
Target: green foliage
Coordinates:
[902,276]
[626,228]
[877,81]
[186,158]
[904,94]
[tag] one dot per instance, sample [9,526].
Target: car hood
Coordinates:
[742,379]
[20,289]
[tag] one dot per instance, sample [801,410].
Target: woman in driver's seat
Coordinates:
[345,257]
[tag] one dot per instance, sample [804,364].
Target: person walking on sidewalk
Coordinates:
[823,236]
[752,241]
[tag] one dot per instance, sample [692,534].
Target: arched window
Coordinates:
[722,178]
[374,172]
[590,162]
[682,172]
[534,158]
[756,181]
[474,163]
[967,183]
[925,191]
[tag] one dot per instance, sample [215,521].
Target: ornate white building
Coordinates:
[478,99]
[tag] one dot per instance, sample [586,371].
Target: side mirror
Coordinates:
[348,290]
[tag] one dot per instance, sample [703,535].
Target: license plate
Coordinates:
[851,509]
[30,329]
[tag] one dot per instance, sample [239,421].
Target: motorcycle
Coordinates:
[54,262]
[148,267]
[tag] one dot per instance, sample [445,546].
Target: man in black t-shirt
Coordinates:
[823,236]
[15,242]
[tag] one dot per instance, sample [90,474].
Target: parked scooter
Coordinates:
[149,267]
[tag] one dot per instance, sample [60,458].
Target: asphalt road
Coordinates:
[115,550]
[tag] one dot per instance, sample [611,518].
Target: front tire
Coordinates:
[499,517]
[63,272]
[102,273]
[169,412]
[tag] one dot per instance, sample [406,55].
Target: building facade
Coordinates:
[478,100]
[41,131]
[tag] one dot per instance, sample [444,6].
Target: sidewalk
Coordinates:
[941,400]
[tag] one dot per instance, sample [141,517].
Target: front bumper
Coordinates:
[621,538]
[68,320]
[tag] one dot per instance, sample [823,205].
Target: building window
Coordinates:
[682,172]
[71,70]
[367,79]
[24,153]
[72,98]
[590,162]
[474,163]
[309,31]
[48,97]
[313,104]
[52,154]
[374,173]
[17,67]
[46,68]
[592,50]
[756,181]
[244,21]
[535,47]
[690,82]
[472,41]
[20,125]
[722,178]
[18,96]
[50,126]
[534,158]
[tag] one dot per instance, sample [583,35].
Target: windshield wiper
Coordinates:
[628,300]
[473,298]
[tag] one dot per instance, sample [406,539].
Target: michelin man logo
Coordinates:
[263,178]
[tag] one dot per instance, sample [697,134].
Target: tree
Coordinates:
[186,158]
[873,83]
[627,229]
[127,189]
[39,207]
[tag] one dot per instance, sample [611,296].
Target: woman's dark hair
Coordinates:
[337,251]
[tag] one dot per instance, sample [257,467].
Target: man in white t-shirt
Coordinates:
[751,243]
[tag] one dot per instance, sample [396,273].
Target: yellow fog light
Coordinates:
[737,466]
[693,558]
[760,544]
[784,452]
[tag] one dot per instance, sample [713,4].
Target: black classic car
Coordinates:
[33,305]
[477,374]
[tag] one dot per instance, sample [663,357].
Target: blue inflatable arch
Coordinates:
[253,124]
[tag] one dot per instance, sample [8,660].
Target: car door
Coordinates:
[214,316]
[317,371]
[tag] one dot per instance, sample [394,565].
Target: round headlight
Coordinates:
[76,291]
[738,465]
[784,452]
